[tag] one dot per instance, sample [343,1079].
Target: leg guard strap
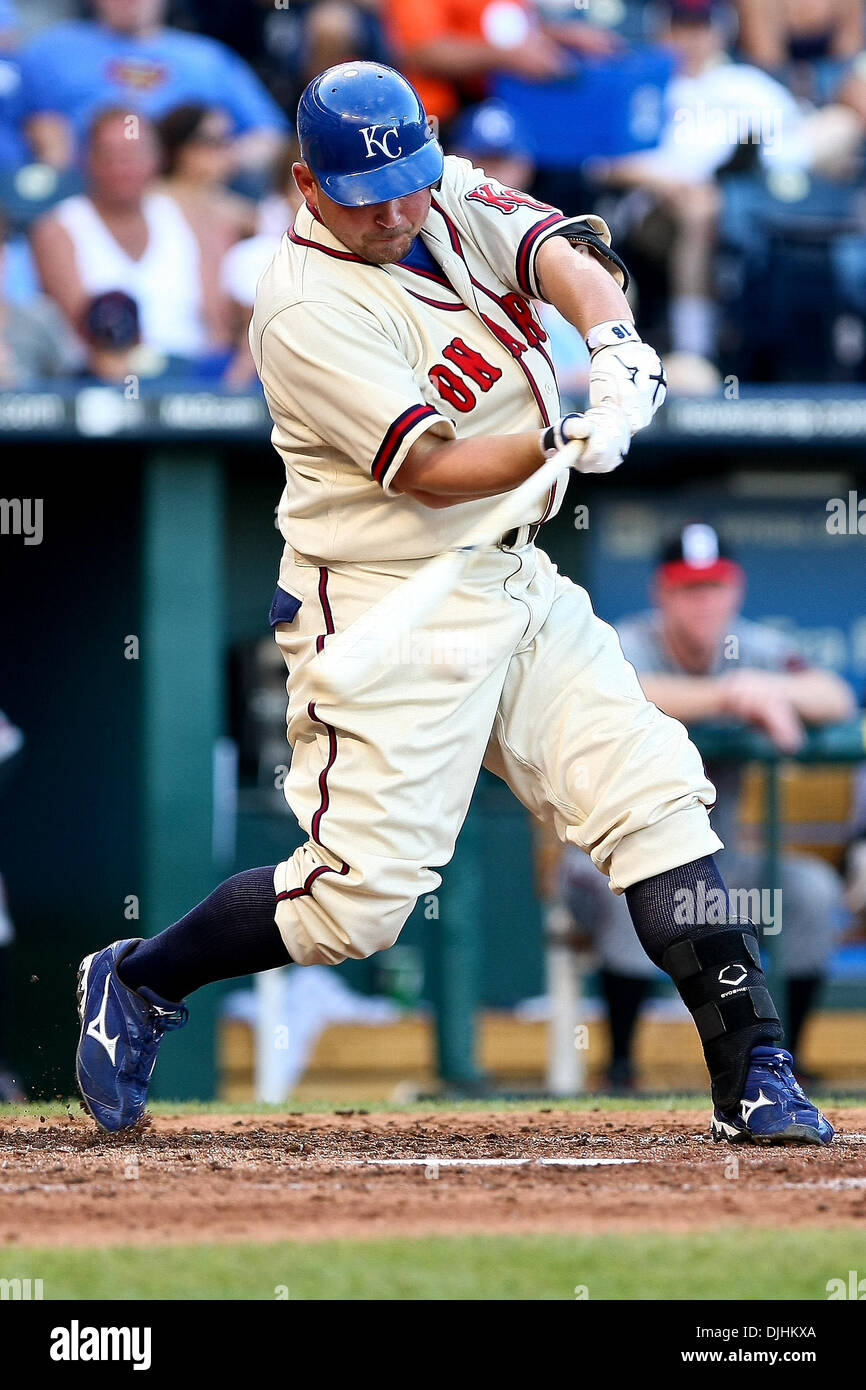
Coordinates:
[720,980]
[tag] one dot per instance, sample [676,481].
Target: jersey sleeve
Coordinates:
[639,644]
[510,227]
[342,376]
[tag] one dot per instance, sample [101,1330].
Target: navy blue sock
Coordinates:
[231,933]
[667,906]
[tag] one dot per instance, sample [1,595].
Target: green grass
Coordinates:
[727,1264]
[53,1108]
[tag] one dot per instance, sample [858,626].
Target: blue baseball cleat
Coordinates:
[121,1030]
[774,1108]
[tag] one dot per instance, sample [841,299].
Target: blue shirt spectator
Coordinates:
[126,57]
[13,149]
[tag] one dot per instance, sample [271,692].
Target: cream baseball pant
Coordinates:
[515,671]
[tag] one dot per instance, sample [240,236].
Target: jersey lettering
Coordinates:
[452,388]
[505,200]
[508,341]
[519,312]
[472,364]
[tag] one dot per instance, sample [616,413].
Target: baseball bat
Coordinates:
[349,656]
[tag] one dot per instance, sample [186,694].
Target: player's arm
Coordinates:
[626,377]
[574,280]
[442,473]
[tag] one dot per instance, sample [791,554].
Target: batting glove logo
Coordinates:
[371,140]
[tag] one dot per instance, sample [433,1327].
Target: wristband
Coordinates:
[554,437]
[612,333]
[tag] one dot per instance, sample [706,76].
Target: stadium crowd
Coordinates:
[146,150]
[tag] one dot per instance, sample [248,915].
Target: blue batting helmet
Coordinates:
[365,134]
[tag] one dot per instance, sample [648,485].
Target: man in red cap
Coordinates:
[699,660]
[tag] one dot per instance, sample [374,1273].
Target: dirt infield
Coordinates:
[311,1177]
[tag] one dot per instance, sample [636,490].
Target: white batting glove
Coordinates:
[625,372]
[607,436]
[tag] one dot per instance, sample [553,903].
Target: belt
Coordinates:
[511,538]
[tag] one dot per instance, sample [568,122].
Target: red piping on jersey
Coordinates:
[326,609]
[394,436]
[524,250]
[324,793]
[435,303]
[306,886]
[427,275]
[327,250]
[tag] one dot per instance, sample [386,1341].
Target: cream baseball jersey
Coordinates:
[358,360]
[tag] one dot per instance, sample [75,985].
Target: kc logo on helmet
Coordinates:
[374,142]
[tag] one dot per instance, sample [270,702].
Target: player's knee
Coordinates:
[348,917]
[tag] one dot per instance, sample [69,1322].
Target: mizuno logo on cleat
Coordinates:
[96,1027]
[748,1107]
[723,1128]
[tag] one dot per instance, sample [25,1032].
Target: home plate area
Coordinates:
[186,1178]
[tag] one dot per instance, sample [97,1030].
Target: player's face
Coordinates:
[381,233]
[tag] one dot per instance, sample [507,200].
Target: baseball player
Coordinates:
[406,371]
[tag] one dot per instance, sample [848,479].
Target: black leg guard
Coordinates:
[720,980]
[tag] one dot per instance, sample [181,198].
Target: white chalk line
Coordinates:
[434,1162]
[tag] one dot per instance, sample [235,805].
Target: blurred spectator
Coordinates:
[11,743]
[36,343]
[700,661]
[126,57]
[814,46]
[491,137]
[112,335]
[288,44]
[448,48]
[196,164]
[13,147]
[855,854]
[123,234]
[716,109]
[244,263]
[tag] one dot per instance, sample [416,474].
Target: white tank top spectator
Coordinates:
[124,234]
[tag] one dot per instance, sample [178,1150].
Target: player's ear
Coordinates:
[306,181]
